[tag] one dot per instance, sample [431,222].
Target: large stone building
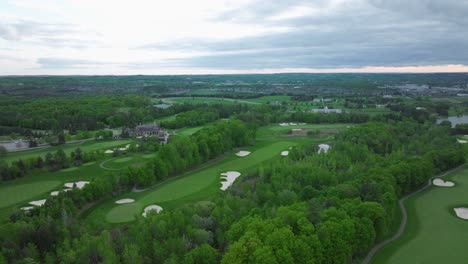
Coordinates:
[149,130]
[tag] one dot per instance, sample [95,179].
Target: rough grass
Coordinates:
[434,234]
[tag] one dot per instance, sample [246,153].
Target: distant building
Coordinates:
[149,130]
[327,110]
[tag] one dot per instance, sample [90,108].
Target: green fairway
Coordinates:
[434,234]
[205,100]
[123,160]
[23,192]
[68,148]
[189,187]
[189,131]
[266,99]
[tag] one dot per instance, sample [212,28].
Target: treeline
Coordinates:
[83,113]
[307,208]
[187,152]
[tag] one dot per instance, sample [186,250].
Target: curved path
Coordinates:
[107,168]
[404,213]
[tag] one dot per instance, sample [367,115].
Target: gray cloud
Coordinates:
[43,34]
[355,34]
[62,63]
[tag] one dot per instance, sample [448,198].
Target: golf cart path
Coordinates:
[404,213]
[107,168]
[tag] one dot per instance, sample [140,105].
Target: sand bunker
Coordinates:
[38,202]
[284,124]
[461,212]
[229,178]
[461,141]
[324,148]
[124,201]
[442,183]
[109,151]
[78,184]
[67,190]
[284,153]
[122,149]
[54,193]
[293,124]
[27,208]
[153,207]
[242,153]
[127,146]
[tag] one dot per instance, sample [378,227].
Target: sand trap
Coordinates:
[442,183]
[109,151]
[284,124]
[229,178]
[153,207]
[461,212]
[124,201]
[127,146]
[27,208]
[324,148]
[284,153]
[38,202]
[67,190]
[461,141]
[122,149]
[293,124]
[54,193]
[242,153]
[78,184]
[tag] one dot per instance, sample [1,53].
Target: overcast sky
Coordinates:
[238,36]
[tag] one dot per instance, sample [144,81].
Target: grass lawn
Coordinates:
[266,99]
[190,186]
[205,100]
[434,234]
[68,148]
[38,185]
[189,130]
[22,192]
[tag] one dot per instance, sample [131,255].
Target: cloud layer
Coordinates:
[244,35]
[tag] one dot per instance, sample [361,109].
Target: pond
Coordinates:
[455,120]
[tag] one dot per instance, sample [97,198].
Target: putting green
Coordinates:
[204,180]
[434,234]
[10,195]
[122,160]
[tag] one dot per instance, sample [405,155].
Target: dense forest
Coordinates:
[307,208]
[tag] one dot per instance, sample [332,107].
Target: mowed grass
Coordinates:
[274,98]
[434,234]
[68,148]
[38,185]
[188,187]
[22,192]
[205,100]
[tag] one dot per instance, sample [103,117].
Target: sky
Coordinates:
[96,37]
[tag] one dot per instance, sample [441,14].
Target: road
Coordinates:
[404,213]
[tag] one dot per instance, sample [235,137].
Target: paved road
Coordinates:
[404,219]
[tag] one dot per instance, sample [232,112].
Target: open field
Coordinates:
[67,148]
[189,187]
[433,232]
[205,100]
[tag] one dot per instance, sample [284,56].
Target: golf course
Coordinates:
[190,186]
[433,229]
